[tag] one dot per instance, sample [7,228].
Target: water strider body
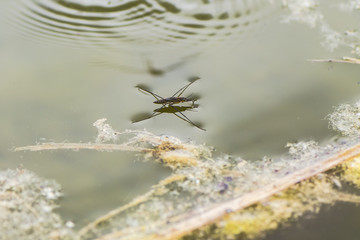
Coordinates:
[168,104]
[173,100]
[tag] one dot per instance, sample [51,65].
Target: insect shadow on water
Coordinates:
[150,68]
[168,104]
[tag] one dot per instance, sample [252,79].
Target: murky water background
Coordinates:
[65,64]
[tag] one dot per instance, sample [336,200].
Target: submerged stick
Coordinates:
[78,146]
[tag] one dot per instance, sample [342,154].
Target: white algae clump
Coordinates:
[309,12]
[26,207]
[303,11]
[303,149]
[346,119]
[105,132]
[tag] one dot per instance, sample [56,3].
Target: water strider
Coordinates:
[168,104]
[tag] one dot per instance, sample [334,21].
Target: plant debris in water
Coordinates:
[346,119]
[223,196]
[26,207]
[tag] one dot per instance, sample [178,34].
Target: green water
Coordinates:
[258,92]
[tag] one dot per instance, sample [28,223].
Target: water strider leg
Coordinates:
[185,118]
[141,89]
[182,90]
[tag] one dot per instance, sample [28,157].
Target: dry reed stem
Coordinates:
[78,146]
[113,213]
[135,202]
[190,221]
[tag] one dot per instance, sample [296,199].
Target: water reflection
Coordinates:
[176,110]
[141,24]
[169,104]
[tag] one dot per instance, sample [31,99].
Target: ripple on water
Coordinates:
[143,25]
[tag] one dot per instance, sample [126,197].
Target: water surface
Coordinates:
[65,64]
